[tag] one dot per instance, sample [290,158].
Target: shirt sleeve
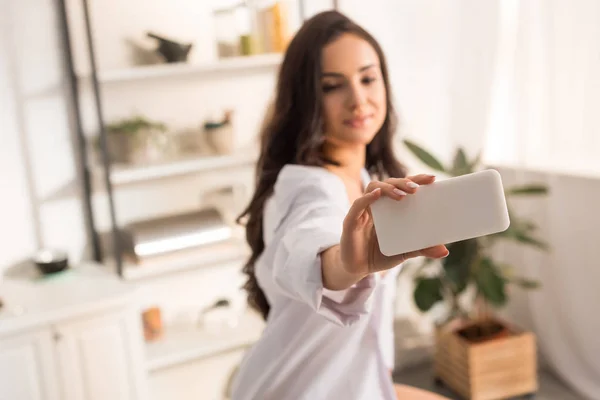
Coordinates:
[385,332]
[314,224]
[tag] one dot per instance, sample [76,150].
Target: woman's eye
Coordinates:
[368,80]
[330,87]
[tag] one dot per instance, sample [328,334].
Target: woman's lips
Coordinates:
[358,122]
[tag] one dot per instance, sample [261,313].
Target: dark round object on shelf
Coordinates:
[50,261]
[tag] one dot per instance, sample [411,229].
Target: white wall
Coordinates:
[17,231]
[37,158]
[441,65]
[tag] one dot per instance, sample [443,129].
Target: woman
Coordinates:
[316,272]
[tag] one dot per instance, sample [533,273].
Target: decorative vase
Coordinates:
[145,146]
[221,139]
[220,135]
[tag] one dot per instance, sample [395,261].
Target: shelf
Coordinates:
[157,71]
[217,254]
[124,175]
[182,344]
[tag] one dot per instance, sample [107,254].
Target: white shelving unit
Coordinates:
[156,71]
[125,175]
[181,344]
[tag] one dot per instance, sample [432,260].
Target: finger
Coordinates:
[388,189]
[439,251]
[404,184]
[422,179]
[359,206]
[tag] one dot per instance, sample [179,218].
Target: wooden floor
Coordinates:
[550,387]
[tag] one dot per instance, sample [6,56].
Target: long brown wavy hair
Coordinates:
[292,130]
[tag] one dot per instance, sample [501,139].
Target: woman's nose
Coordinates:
[358,96]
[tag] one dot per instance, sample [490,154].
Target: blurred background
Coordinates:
[128,141]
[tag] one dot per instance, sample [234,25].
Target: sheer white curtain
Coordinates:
[544,125]
[546,96]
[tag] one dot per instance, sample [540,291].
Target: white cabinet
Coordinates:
[100,359]
[89,359]
[74,337]
[27,367]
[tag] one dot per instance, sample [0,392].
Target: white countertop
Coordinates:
[31,299]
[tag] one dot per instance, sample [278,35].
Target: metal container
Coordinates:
[178,232]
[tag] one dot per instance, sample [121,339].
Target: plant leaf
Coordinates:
[475,161]
[525,283]
[134,124]
[457,266]
[458,277]
[508,271]
[527,226]
[507,234]
[521,235]
[525,238]
[425,157]
[490,283]
[428,291]
[531,189]
[460,165]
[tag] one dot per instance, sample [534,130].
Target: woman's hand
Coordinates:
[359,249]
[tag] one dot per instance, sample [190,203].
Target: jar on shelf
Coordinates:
[244,16]
[228,43]
[236,30]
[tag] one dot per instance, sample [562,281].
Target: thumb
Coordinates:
[359,206]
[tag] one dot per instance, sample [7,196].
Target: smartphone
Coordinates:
[446,211]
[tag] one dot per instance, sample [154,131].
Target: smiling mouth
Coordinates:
[358,122]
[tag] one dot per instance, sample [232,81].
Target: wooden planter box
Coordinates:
[499,368]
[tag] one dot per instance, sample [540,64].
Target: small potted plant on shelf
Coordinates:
[138,140]
[477,354]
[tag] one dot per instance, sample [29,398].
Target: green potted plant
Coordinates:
[137,139]
[471,284]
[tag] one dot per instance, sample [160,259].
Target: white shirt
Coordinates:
[318,344]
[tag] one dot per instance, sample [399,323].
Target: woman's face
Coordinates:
[354,94]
